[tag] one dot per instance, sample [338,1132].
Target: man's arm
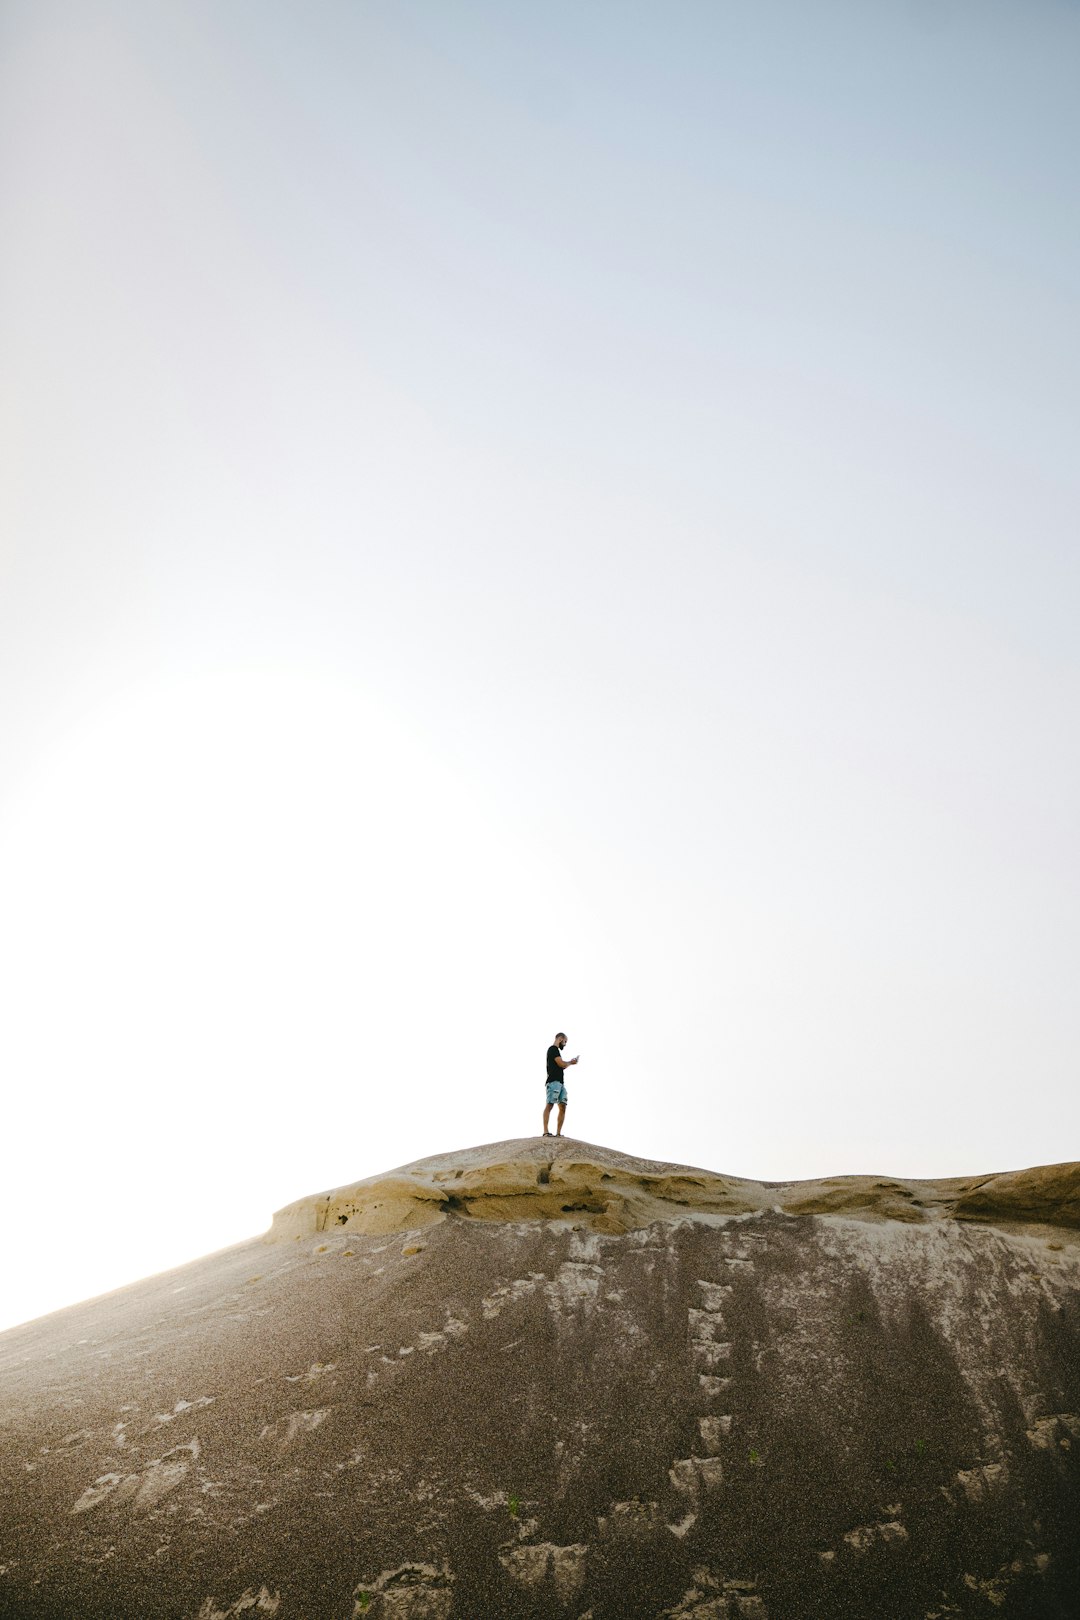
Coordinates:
[565,1063]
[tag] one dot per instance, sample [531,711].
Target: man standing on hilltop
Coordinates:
[556,1090]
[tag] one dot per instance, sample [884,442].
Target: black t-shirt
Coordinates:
[554,1072]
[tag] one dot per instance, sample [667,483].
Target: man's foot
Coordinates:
[547,1133]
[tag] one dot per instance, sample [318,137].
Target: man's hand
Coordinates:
[572,1062]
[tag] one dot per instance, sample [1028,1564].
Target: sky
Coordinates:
[529,517]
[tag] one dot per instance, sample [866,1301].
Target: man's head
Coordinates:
[560,1040]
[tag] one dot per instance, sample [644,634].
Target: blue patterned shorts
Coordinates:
[556,1092]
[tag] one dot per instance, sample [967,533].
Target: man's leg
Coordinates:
[562,1116]
[547,1116]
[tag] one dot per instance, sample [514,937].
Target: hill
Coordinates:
[547,1379]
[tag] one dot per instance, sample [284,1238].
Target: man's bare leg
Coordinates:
[562,1116]
[547,1116]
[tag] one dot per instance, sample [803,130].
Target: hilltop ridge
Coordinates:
[533,1178]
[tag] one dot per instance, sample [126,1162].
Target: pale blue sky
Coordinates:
[531,517]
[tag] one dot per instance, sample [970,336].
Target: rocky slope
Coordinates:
[547,1379]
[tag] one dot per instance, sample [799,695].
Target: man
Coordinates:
[556,1090]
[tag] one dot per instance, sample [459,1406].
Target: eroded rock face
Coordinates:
[549,1380]
[611,1192]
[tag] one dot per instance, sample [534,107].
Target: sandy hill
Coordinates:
[547,1379]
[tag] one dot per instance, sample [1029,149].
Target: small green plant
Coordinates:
[920,1448]
[513,1506]
[755,1456]
[363,1601]
[891,1467]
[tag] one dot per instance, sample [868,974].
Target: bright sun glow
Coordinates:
[238,911]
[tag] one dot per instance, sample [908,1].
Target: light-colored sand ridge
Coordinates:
[533,1179]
